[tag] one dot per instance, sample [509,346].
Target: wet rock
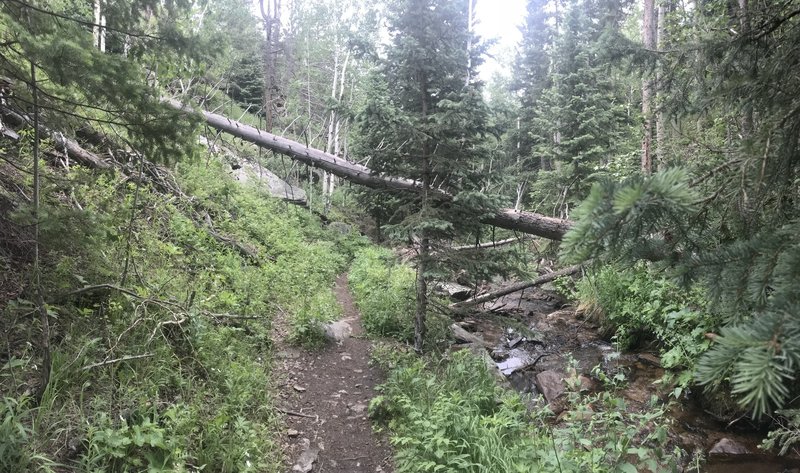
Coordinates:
[650,359]
[515,363]
[551,384]
[516,341]
[338,331]
[729,447]
[462,335]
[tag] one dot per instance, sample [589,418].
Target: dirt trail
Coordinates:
[324,395]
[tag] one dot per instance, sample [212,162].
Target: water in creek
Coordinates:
[532,332]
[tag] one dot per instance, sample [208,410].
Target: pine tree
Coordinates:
[425,120]
[579,120]
[113,88]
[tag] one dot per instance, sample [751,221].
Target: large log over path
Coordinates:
[526,222]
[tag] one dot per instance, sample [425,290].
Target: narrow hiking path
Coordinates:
[324,396]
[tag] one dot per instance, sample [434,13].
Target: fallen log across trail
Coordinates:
[522,221]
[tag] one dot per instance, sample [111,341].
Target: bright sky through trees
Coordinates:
[499,19]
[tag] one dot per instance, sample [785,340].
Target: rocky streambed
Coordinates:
[533,336]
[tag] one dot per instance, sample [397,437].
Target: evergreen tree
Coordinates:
[424,120]
[730,221]
[78,83]
[579,120]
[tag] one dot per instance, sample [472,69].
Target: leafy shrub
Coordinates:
[450,416]
[309,316]
[384,292]
[636,305]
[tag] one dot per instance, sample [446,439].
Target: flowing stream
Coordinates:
[533,332]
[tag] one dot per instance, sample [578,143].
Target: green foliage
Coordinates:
[14,435]
[384,293]
[451,416]
[787,434]
[626,219]
[636,305]
[197,306]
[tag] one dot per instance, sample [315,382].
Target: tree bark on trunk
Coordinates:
[424,244]
[648,85]
[522,221]
[664,7]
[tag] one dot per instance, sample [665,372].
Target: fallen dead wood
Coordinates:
[525,222]
[491,244]
[61,142]
[117,360]
[516,287]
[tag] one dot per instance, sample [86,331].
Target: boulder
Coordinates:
[550,384]
[727,446]
[463,336]
[454,290]
[338,330]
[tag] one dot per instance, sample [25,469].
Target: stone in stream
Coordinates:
[729,447]
[551,384]
[462,335]
[454,290]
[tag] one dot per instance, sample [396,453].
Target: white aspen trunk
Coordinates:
[520,192]
[470,21]
[103,28]
[96,25]
[648,85]
[661,132]
[329,145]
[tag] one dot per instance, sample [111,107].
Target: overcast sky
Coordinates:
[499,19]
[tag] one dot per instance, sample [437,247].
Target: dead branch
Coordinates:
[516,287]
[117,360]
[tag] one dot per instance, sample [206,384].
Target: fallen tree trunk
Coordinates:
[516,287]
[152,174]
[73,149]
[491,244]
[525,222]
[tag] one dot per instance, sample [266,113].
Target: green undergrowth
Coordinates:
[637,306]
[383,290]
[168,367]
[447,414]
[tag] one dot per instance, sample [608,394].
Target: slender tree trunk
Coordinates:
[37,270]
[470,26]
[661,129]
[648,85]
[424,244]
[98,29]
[271,17]
[521,188]
[744,24]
